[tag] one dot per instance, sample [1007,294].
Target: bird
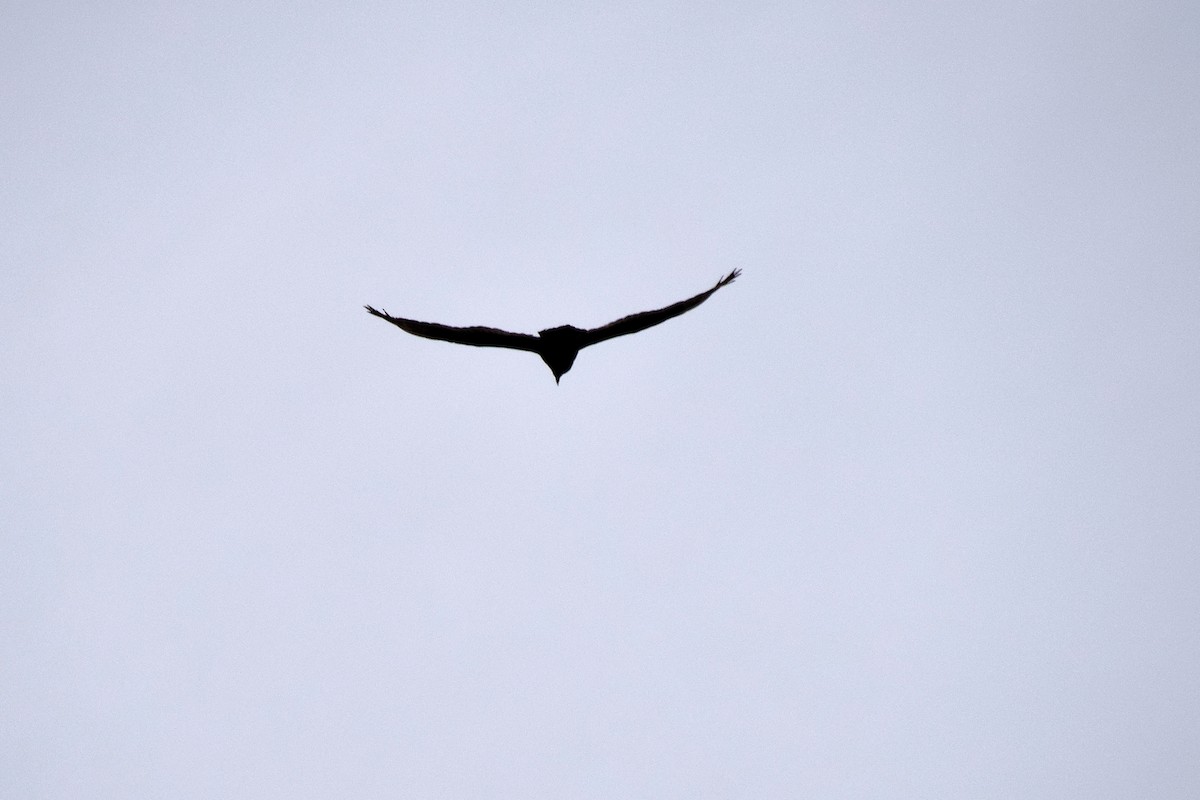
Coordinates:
[559,346]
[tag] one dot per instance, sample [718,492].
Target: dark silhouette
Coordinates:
[559,346]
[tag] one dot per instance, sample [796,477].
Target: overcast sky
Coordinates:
[910,510]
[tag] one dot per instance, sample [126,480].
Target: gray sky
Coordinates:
[909,511]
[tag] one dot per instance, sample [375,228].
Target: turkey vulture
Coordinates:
[557,346]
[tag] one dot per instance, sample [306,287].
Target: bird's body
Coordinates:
[558,347]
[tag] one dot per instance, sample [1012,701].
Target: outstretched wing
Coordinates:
[647,319]
[478,336]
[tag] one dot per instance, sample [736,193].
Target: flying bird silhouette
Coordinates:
[559,346]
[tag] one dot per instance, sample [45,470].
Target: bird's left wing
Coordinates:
[477,335]
[648,319]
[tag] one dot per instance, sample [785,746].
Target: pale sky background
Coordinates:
[911,510]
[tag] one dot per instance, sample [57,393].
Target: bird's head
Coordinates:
[559,366]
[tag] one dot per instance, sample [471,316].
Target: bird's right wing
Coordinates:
[648,319]
[477,336]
